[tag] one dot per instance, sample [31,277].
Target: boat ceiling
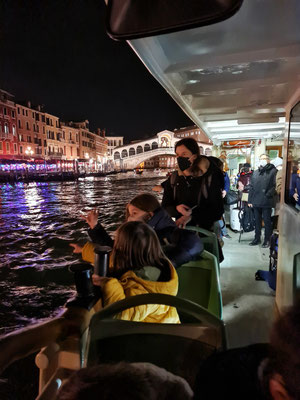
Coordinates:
[233,78]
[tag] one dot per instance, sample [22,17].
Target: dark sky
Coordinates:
[57,53]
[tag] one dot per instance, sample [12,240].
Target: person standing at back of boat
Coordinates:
[262,198]
[193,194]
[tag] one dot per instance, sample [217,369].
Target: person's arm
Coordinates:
[99,235]
[226,182]
[293,185]
[216,203]
[272,186]
[251,190]
[183,247]
[88,253]
[278,181]
[168,201]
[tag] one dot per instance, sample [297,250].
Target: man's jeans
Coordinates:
[263,213]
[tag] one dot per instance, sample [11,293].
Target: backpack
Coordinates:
[247,219]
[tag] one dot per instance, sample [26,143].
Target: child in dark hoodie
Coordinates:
[179,245]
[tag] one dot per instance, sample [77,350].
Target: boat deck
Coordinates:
[248,305]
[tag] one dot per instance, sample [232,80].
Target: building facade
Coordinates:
[101,150]
[8,126]
[205,144]
[31,131]
[113,142]
[69,137]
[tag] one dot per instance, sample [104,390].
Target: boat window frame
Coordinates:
[288,172]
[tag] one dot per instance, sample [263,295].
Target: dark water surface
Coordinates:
[38,221]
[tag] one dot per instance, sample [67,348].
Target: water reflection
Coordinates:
[38,221]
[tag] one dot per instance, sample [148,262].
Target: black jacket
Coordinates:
[263,187]
[179,245]
[209,204]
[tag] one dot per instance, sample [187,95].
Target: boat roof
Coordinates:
[233,78]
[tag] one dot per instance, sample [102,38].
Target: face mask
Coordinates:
[262,163]
[183,163]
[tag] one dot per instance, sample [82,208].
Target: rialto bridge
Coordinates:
[131,155]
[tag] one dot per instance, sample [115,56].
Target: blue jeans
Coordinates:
[223,228]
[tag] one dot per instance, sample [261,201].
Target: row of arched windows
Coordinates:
[139,149]
[133,152]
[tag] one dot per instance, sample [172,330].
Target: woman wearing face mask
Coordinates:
[193,195]
[179,245]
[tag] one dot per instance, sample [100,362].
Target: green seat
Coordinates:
[199,282]
[179,348]
[209,239]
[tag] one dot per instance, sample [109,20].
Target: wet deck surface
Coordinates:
[248,305]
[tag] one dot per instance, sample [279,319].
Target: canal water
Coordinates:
[38,221]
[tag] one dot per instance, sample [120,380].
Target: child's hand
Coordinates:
[77,249]
[184,210]
[91,218]
[99,280]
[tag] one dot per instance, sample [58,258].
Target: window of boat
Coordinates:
[292,187]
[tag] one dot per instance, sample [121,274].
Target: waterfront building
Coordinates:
[53,138]
[70,141]
[31,131]
[205,144]
[113,142]
[8,126]
[101,150]
[87,147]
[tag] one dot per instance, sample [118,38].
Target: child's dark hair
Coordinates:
[145,202]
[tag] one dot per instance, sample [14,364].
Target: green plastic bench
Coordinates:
[179,348]
[199,282]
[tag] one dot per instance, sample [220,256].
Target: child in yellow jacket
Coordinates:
[138,266]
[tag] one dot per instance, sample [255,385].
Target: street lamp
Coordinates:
[28,151]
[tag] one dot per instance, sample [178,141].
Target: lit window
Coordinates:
[6,130]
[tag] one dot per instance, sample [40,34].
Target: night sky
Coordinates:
[57,53]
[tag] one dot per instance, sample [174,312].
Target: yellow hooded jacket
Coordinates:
[131,285]
[88,253]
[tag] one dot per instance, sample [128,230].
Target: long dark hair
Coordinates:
[192,145]
[136,245]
